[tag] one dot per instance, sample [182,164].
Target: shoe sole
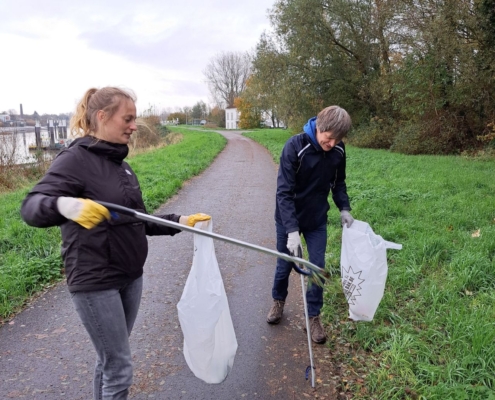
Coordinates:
[277,321]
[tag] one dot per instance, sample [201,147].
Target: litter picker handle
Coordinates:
[121,209]
[300,268]
[176,225]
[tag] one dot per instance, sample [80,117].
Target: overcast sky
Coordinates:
[53,51]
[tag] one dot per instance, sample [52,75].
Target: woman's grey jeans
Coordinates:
[108,316]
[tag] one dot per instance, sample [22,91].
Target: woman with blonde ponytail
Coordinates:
[103,257]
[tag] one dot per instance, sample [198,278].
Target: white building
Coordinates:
[231,118]
[4,117]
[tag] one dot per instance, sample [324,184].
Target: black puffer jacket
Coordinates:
[113,253]
[305,177]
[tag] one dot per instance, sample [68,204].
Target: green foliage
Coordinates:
[199,110]
[250,117]
[30,258]
[378,134]
[178,115]
[432,336]
[424,66]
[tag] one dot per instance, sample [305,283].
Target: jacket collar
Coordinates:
[115,152]
[310,130]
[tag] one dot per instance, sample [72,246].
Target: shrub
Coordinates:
[434,134]
[377,134]
[148,133]
[12,174]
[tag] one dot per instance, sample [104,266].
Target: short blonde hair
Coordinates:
[334,119]
[107,99]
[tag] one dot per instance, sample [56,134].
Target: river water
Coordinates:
[14,146]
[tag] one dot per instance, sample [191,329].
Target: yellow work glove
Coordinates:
[191,220]
[83,211]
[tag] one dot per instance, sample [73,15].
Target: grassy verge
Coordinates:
[433,336]
[30,257]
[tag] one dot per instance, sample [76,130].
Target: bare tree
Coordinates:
[226,75]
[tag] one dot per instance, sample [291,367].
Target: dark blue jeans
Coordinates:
[316,242]
[108,316]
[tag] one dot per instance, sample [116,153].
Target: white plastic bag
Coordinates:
[209,338]
[363,268]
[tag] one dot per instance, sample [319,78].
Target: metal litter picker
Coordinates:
[305,268]
[303,272]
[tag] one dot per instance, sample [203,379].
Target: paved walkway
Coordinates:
[46,354]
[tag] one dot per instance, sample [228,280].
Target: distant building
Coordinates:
[231,118]
[268,122]
[4,117]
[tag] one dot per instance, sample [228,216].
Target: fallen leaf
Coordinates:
[40,335]
[477,233]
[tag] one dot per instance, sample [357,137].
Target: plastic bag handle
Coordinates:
[392,245]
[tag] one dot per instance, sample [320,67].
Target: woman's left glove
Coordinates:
[83,211]
[191,220]
[346,218]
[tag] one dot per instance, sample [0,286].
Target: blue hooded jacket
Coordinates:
[306,175]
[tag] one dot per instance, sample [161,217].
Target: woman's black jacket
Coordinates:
[113,253]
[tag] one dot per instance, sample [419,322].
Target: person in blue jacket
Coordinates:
[311,165]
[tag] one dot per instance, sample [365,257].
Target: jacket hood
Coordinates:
[310,130]
[115,152]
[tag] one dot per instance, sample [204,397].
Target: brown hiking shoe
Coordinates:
[275,314]
[318,334]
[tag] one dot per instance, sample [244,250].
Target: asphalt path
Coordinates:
[45,352]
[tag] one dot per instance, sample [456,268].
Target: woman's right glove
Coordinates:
[191,220]
[83,211]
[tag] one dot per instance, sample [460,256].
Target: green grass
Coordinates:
[30,257]
[433,336]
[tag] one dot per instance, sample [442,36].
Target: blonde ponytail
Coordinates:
[80,123]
